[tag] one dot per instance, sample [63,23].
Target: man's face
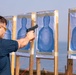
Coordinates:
[2,29]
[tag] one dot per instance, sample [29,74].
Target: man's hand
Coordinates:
[30,35]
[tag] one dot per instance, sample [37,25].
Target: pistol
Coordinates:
[32,28]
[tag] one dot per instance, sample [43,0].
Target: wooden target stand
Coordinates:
[69,68]
[31,58]
[55,14]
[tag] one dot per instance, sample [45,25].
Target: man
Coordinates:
[8,46]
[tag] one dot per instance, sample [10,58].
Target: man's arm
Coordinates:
[24,41]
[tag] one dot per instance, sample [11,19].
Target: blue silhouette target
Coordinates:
[22,32]
[45,36]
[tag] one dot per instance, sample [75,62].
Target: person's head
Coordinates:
[3,23]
